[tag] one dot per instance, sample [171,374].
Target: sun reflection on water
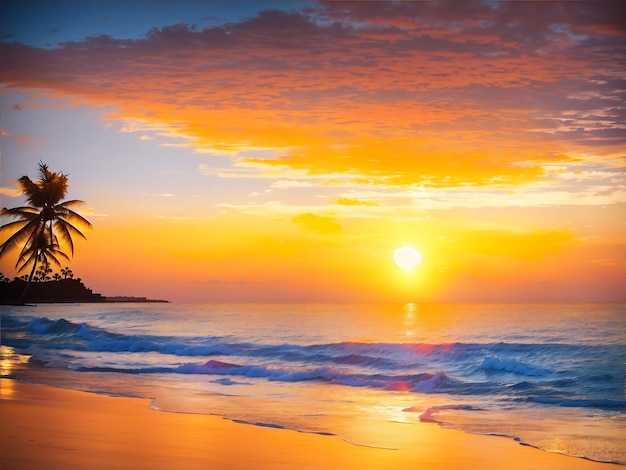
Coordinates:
[9,360]
[410,318]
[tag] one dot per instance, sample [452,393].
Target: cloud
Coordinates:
[92,212]
[318,224]
[29,142]
[288,184]
[393,94]
[10,192]
[344,201]
[165,195]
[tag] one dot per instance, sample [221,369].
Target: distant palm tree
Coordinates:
[40,274]
[40,224]
[67,272]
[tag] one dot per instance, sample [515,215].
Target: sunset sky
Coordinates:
[281,151]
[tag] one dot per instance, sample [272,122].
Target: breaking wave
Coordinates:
[538,373]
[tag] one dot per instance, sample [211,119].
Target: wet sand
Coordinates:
[53,428]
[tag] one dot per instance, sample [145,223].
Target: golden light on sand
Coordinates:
[407,257]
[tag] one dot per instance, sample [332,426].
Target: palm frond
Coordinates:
[54,185]
[25,263]
[14,226]
[42,247]
[24,233]
[65,235]
[56,189]
[72,202]
[28,254]
[71,216]
[66,230]
[52,254]
[20,212]
[32,242]
[31,190]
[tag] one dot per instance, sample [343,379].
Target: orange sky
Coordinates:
[283,154]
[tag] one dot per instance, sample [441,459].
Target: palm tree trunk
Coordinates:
[30,280]
[20,301]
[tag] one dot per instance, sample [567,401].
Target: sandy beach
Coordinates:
[53,428]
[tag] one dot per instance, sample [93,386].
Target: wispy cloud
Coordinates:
[92,212]
[166,195]
[318,224]
[10,192]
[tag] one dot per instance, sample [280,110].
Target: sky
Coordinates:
[253,151]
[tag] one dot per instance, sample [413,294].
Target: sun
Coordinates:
[407,257]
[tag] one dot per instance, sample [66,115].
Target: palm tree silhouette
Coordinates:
[67,272]
[46,252]
[42,223]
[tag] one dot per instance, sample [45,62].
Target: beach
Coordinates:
[122,386]
[54,428]
[312,235]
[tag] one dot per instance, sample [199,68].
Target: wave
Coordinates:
[81,336]
[62,327]
[606,404]
[424,382]
[590,376]
[63,334]
[512,365]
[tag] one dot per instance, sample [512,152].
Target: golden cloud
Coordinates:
[382,104]
[318,224]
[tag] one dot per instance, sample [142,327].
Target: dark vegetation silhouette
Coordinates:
[41,227]
[54,287]
[47,288]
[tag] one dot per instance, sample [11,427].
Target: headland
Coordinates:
[58,291]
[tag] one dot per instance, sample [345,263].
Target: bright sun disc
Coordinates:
[407,257]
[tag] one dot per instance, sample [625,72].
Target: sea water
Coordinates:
[547,375]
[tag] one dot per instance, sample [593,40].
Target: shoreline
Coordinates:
[62,291]
[58,428]
[105,300]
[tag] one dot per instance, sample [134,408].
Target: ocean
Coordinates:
[549,376]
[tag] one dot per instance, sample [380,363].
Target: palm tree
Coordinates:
[46,252]
[67,272]
[40,224]
[40,274]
